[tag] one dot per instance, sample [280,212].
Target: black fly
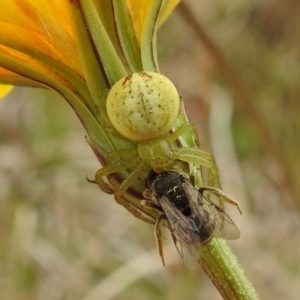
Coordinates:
[192,217]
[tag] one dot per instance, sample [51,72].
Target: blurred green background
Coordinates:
[61,238]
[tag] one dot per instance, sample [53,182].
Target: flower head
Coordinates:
[80,48]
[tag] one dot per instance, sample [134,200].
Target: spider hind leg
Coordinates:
[157,227]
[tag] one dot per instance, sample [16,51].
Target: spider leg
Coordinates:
[183,128]
[201,158]
[118,155]
[136,212]
[157,227]
[110,169]
[133,176]
[195,155]
[107,188]
[151,204]
[221,195]
[159,236]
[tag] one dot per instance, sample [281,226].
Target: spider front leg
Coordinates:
[182,129]
[195,155]
[220,194]
[201,158]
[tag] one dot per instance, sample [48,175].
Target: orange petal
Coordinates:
[39,27]
[8,77]
[41,30]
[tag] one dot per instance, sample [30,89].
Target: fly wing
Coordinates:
[184,232]
[225,227]
[211,217]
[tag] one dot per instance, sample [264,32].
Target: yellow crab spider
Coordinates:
[143,108]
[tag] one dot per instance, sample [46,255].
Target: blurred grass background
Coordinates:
[61,238]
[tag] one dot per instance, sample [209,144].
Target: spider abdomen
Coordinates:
[143,106]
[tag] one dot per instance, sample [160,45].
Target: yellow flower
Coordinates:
[80,48]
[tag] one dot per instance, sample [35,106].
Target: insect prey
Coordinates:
[191,216]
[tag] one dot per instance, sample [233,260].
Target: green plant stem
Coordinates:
[222,267]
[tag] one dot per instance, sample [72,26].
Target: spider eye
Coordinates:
[143,106]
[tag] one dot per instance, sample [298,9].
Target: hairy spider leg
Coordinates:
[114,162]
[159,237]
[157,226]
[119,155]
[109,170]
[183,128]
[196,156]
[107,189]
[142,167]
[200,158]
[221,195]
[113,166]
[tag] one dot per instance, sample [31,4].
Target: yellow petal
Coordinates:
[166,10]
[139,10]
[4,90]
